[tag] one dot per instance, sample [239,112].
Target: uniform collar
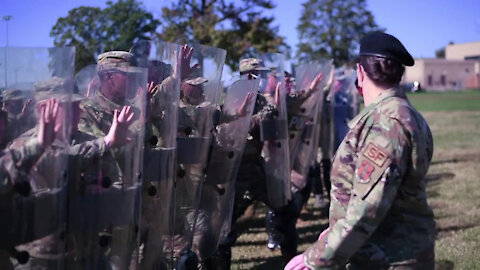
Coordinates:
[391,92]
[105,103]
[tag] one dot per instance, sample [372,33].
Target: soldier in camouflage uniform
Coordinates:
[250,184]
[280,223]
[16,162]
[379,216]
[38,159]
[89,246]
[18,108]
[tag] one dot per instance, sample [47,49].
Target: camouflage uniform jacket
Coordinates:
[95,120]
[45,168]
[16,162]
[379,214]
[97,115]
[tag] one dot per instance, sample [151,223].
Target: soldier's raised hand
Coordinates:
[277,95]
[314,84]
[46,122]
[118,133]
[186,56]
[25,106]
[242,110]
[151,88]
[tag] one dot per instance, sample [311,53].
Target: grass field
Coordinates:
[453,189]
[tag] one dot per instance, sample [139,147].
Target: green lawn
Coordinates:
[454,188]
[446,101]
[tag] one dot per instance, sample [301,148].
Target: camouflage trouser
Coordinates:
[280,223]
[250,186]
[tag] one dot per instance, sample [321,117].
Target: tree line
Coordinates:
[326,29]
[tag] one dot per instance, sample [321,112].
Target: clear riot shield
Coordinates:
[34,162]
[104,196]
[216,203]
[162,60]
[345,100]
[304,118]
[199,93]
[274,133]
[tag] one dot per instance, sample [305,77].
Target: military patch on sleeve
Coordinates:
[375,154]
[364,171]
[371,165]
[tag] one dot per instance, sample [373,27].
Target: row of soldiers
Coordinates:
[147,159]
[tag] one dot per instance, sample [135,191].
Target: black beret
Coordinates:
[387,46]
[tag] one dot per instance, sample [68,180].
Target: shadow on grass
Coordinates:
[262,262]
[444,265]
[438,176]
[453,228]
[302,233]
[445,161]
[432,194]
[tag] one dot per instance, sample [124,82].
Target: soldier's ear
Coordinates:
[360,75]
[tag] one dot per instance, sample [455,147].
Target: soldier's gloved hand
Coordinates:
[296,263]
[186,56]
[46,122]
[243,109]
[118,133]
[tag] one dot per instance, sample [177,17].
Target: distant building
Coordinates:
[460,69]
[463,51]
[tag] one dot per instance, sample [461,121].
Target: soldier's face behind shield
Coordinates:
[192,94]
[13,107]
[118,86]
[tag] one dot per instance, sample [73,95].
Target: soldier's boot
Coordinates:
[289,239]
[187,261]
[285,225]
[222,258]
[271,228]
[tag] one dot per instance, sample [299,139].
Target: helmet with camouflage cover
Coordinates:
[55,87]
[252,64]
[192,91]
[12,94]
[116,60]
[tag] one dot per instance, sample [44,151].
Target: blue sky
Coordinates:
[422,25]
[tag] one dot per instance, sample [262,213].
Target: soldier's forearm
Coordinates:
[89,149]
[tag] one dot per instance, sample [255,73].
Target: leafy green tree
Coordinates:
[238,26]
[332,29]
[93,30]
[440,53]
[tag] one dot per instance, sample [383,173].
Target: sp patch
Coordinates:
[364,171]
[375,154]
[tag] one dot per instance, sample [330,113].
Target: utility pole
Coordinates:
[6,18]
